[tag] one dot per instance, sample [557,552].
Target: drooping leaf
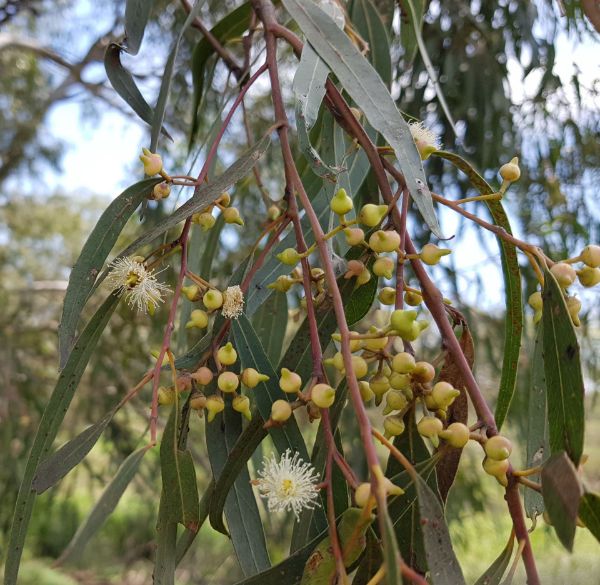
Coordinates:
[181,504]
[408,38]
[124,84]
[589,513]
[232,26]
[55,467]
[204,195]
[165,85]
[494,574]
[513,321]
[442,562]
[537,425]
[562,366]
[51,420]
[320,566]
[562,491]
[93,255]
[241,510]
[367,89]
[458,411]
[137,13]
[104,507]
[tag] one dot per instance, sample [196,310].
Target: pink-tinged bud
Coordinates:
[161,191]
[281,411]
[203,376]
[564,273]
[354,236]
[152,162]
[354,268]
[511,172]
[384,266]
[290,382]
[228,382]
[424,372]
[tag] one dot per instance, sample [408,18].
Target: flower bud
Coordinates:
[341,203]
[456,435]
[377,343]
[356,345]
[198,401]
[510,171]
[399,381]
[590,256]
[214,405]
[430,427]
[290,382]
[498,448]
[241,404]
[384,266]
[535,301]
[363,277]
[281,411]
[574,306]
[362,494]
[402,320]
[394,400]
[387,296]
[360,367]
[384,241]
[424,372]
[228,382]
[365,391]
[184,383]
[354,268]
[393,426]
[227,354]
[232,215]
[166,396]
[354,236]
[379,385]
[191,293]
[198,319]
[403,363]
[251,378]
[152,162]
[161,191]
[371,215]
[588,276]
[203,376]
[337,361]
[497,469]
[282,284]
[273,212]
[213,299]
[322,395]
[205,220]
[224,199]
[289,256]
[431,254]
[564,273]
[444,395]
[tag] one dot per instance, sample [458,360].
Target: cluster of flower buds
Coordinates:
[206,220]
[497,451]
[228,382]
[566,276]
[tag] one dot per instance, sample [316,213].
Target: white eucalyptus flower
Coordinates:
[290,484]
[425,139]
[233,302]
[138,284]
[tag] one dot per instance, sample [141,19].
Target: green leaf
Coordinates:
[232,26]
[137,13]
[165,85]
[52,418]
[367,89]
[562,491]
[368,23]
[55,467]
[124,84]
[241,510]
[589,512]
[181,504]
[236,462]
[204,195]
[513,321]
[104,507]
[165,559]
[93,255]
[270,322]
[537,425]
[494,574]
[442,562]
[408,26]
[320,566]
[562,366]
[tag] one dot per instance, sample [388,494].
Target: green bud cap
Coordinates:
[322,395]
[498,448]
[431,254]
[384,241]
[341,203]
[371,215]
[227,354]
[456,435]
[289,256]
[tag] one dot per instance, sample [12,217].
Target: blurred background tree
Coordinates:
[509,73]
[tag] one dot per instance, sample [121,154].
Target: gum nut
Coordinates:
[432,254]
[498,448]
[341,203]
[289,256]
[394,400]
[197,401]
[384,266]
[365,391]
[511,171]
[392,489]
[399,381]
[402,320]
[564,273]
[444,394]
[403,363]
[228,382]
[251,378]
[214,405]
[495,467]
[376,343]
[379,384]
